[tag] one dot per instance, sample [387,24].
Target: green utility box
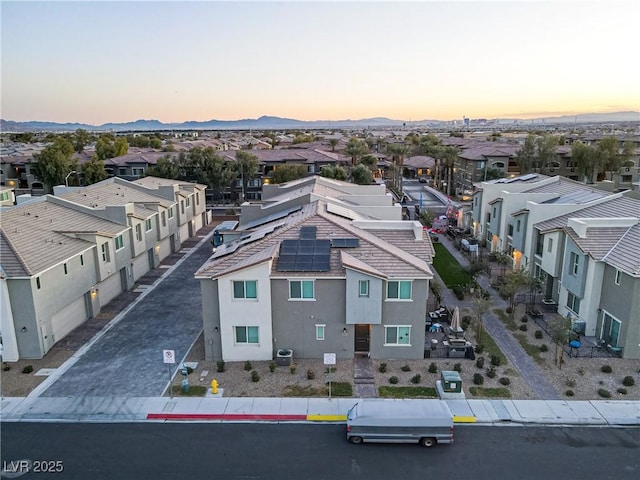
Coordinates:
[451,381]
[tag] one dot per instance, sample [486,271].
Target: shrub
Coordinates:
[433,368]
[247,366]
[544,347]
[495,360]
[622,391]
[505,381]
[480,362]
[189,370]
[478,379]
[458,292]
[393,380]
[491,371]
[524,319]
[523,327]
[606,369]
[382,368]
[6,367]
[604,393]
[254,376]
[571,383]
[292,369]
[569,393]
[479,348]
[628,381]
[538,334]
[27,369]
[457,367]
[416,378]
[466,321]
[508,310]
[220,366]
[272,367]
[405,368]
[311,374]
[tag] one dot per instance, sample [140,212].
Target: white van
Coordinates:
[427,422]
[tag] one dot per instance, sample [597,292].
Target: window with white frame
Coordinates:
[573,303]
[163,218]
[320,332]
[550,245]
[247,335]
[397,335]
[611,330]
[399,290]
[138,232]
[170,212]
[182,206]
[197,198]
[38,284]
[363,288]
[618,276]
[301,290]
[188,201]
[245,289]
[119,243]
[574,263]
[65,268]
[148,224]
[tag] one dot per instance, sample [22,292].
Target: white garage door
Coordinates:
[68,318]
[110,288]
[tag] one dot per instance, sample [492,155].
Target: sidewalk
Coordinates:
[277,410]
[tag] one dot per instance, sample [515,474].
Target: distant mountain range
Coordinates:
[271,123]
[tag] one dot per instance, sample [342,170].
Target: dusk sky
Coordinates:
[111,61]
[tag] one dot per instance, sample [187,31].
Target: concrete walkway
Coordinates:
[514,352]
[363,377]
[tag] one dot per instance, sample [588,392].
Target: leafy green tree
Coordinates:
[337,173]
[526,156]
[165,167]
[369,161]
[397,151]
[155,143]
[54,163]
[93,171]
[80,140]
[287,173]
[559,328]
[121,145]
[515,282]
[24,137]
[545,151]
[247,166]
[585,159]
[355,149]
[333,142]
[108,146]
[493,174]
[607,151]
[218,173]
[361,175]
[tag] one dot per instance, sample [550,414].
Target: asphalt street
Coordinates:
[127,360]
[269,451]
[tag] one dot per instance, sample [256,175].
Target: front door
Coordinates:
[362,338]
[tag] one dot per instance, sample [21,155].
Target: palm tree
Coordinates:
[333,142]
[397,151]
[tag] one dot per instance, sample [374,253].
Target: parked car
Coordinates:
[422,179]
[469,245]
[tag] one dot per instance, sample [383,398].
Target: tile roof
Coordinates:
[40,234]
[115,191]
[625,255]
[376,253]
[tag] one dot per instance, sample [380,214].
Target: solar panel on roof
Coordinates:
[345,243]
[308,233]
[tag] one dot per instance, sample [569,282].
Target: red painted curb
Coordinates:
[225,416]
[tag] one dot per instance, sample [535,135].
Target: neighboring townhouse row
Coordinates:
[581,242]
[316,282]
[64,257]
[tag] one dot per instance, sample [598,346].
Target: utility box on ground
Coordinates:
[284,357]
[451,381]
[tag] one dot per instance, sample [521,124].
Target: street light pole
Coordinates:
[66,179]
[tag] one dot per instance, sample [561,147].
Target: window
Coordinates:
[138,172]
[197,198]
[38,285]
[618,276]
[119,242]
[163,218]
[188,202]
[104,248]
[170,212]
[245,289]
[320,332]
[248,335]
[138,232]
[301,290]
[518,226]
[363,288]
[494,212]
[82,260]
[573,263]
[611,330]
[510,230]
[182,206]
[148,224]
[399,290]
[397,335]
[66,268]
[550,245]
[573,303]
